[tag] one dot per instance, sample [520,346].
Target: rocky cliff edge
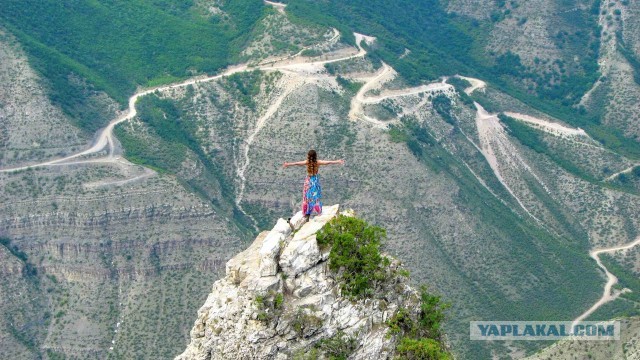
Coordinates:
[280,300]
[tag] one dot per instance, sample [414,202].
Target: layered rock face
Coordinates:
[279,300]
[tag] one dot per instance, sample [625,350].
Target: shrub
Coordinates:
[421,336]
[355,253]
[401,322]
[420,349]
[348,85]
[431,314]
[269,306]
[305,324]
[442,105]
[338,347]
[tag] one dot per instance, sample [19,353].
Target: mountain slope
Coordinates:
[497,208]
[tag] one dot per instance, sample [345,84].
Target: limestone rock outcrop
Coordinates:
[279,300]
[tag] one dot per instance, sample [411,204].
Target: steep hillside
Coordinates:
[32,127]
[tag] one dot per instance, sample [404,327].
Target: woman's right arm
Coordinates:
[298,163]
[330,162]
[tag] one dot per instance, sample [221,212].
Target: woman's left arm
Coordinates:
[330,162]
[299,163]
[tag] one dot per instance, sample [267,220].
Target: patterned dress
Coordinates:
[311,194]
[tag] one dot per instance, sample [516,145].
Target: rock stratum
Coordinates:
[279,300]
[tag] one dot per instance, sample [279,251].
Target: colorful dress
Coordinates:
[311,194]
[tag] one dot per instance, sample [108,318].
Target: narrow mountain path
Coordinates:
[548,126]
[277,5]
[476,84]
[356,110]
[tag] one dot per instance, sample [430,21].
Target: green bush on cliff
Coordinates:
[269,306]
[419,349]
[355,253]
[421,335]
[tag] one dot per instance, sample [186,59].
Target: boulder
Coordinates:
[246,262]
[271,248]
[299,255]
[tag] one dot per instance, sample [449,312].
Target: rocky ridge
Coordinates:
[287,271]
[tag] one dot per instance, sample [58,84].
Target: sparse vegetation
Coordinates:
[351,87]
[29,268]
[338,347]
[355,254]
[420,335]
[305,323]
[269,306]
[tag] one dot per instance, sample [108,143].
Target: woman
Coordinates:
[311,193]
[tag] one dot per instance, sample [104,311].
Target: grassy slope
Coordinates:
[118,45]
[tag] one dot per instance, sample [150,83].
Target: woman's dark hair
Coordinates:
[312,162]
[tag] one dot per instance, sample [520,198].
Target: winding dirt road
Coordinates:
[548,126]
[608,294]
[476,84]
[301,68]
[625,171]
[385,74]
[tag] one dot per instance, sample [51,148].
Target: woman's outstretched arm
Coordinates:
[330,162]
[299,163]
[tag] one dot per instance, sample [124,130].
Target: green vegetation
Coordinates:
[442,105]
[420,338]
[337,347]
[118,45]
[626,278]
[30,269]
[533,139]
[420,349]
[460,85]
[171,137]
[355,253]
[304,323]
[448,44]
[164,120]
[541,253]
[174,135]
[269,306]
[629,55]
[53,355]
[244,86]
[351,87]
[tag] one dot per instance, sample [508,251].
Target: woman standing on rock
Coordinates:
[312,193]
